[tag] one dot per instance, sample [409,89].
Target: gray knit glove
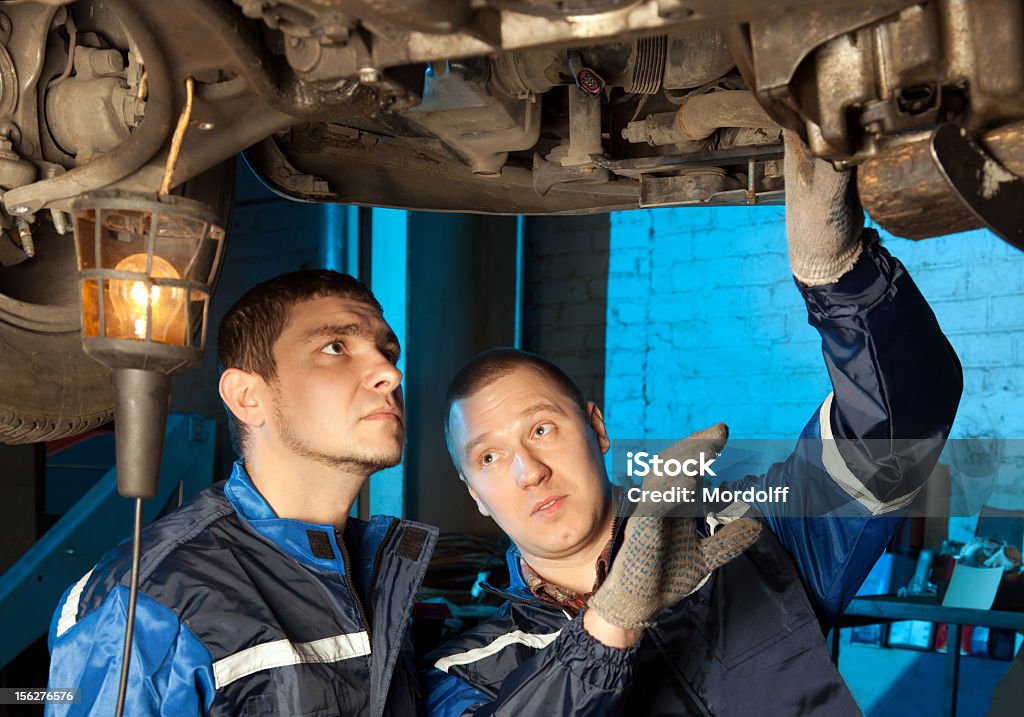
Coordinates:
[823,216]
[709,441]
[664,559]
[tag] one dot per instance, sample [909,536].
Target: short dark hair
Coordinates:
[253,324]
[487,367]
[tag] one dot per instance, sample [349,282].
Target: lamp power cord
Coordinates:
[133,594]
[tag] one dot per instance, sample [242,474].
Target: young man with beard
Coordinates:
[681,616]
[261,595]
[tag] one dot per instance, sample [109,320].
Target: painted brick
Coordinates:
[716,283]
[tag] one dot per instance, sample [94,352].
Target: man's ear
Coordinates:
[241,393]
[472,494]
[596,421]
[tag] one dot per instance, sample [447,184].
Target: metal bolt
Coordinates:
[20,209]
[206,126]
[369,75]
[25,235]
[59,222]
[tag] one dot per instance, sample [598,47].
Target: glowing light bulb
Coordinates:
[131,298]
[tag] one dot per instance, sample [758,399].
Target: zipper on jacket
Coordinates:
[365,611]
[514,598]
[367,625]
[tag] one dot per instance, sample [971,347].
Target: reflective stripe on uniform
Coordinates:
[69,612]
[841,474]
[281,653]
[499,644]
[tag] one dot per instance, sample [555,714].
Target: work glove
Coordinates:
[662,560]
[708,441]
[824,217]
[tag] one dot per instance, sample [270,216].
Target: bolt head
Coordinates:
[20,209]
[369,75]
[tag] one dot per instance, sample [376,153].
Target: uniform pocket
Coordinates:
[315,690]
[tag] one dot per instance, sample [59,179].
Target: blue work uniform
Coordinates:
[750,640]
[244,613]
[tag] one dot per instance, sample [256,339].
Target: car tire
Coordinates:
[51,388]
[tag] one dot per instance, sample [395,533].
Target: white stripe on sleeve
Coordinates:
[842,475]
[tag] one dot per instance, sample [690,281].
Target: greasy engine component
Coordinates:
[874,93]
[480,124]
[129,154]
[701,115]
[698,117]
[529,107]
[94,110]
[859,77]
[938,185]
[298,16]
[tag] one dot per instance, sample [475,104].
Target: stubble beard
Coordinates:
[359,464]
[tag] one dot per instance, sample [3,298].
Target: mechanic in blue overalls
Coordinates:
[261,596]
[723,613]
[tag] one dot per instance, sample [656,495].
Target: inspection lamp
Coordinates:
[146,262]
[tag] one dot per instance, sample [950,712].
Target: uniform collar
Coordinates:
[313,544]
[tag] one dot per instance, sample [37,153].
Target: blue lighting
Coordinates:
[333,239]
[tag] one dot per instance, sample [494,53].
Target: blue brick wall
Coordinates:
[704,324]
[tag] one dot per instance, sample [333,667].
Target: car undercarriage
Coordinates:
[494,106]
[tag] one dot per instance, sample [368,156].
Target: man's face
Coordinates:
[337,396]
[532,461]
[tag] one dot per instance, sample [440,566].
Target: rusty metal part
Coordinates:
[905,191]
[656,130]
[701,115]
[28,245]
[991,193]
[1006,144]
[779,43]
[694,186]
